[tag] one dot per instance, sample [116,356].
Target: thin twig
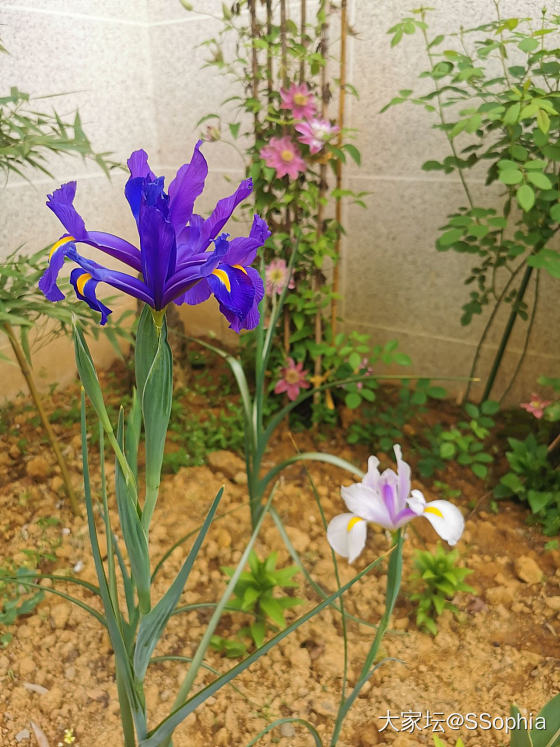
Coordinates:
[269,71]
[302,37]
[338,206]
[527,337]
[488,327]
[254,63]
[36,397]
[316,280]
[283,43]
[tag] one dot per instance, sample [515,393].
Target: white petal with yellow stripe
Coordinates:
[346,534]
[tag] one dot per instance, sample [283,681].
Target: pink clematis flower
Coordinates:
[283,155]
[299,99]
[536,405]
[387,499]
[293,379]
[277,277]
[315,133]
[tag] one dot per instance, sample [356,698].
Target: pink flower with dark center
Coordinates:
[536,405]
[299,99]
[277,277]
[293,379]
[315,133]
[283,155]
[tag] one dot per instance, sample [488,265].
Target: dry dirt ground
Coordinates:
[57,671]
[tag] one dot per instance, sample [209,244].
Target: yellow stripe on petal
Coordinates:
[60,242]
[352,523]
[240,268]
[81,282]
[432,510]
[222,276]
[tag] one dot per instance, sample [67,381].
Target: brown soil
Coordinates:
[57,671]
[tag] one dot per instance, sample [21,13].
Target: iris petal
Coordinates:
[116,247]
[199,292]
[223,210]
[403,470]
[157,243]
[119,280]
[235,291]
[251,319]
[47,283]
[366,503]
[173,257]
[190,272]
[446,519]
[346,536]
[186,187]
[139,173]
[85,286]
[61,203]
[242,250]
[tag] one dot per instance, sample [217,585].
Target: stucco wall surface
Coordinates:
[133,68]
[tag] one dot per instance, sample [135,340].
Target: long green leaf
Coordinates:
[188,660]
[145,349]
[156,397]
[122,662]
[185,537]
[88,377]
[518,737]
[98,616]
[314,456]
[128,627]
[280,721]
[133,532]
[215,619]
[314,585]
[394,574]
[132,436]
[237,371]
[153,624]
[166,727]
[549,737]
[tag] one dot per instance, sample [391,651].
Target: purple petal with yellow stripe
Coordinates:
[174,261]
[85,286]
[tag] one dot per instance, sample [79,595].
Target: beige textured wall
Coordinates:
[395,284]
[133,69]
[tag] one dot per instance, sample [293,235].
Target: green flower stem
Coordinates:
[394,574]
[127,721]
[25,369]
[158,315]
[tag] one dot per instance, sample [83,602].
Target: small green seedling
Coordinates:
[16,600]
[439,743]
[440,579]
[534,479]
[254,594]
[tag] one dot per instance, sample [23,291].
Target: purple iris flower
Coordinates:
[182,257]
